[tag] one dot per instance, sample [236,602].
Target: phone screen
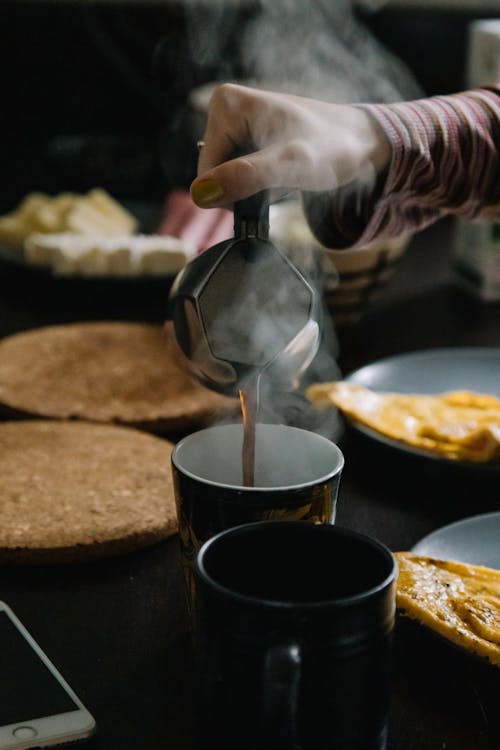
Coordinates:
[28,689]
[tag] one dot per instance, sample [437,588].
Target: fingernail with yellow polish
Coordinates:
[205,192]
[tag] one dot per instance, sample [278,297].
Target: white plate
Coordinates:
[148,218]
[430,372]
[474,540]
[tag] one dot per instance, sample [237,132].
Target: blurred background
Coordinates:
[112,94]
[108,93]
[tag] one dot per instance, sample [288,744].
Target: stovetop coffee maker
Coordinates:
[242,310]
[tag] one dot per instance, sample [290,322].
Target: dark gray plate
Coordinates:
[12,255]
[473,540]
[429,372]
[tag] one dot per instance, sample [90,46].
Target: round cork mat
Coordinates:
[111,372]
[74,491]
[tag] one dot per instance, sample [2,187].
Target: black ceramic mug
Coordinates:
[297,476]
[293,626]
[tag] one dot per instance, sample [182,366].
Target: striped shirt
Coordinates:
[445,160]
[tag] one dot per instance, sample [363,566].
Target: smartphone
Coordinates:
[37,706]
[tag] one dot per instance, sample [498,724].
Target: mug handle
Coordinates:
[280,693]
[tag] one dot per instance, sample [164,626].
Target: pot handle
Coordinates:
[280,693]
[251,215]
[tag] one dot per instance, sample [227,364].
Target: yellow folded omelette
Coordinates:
[460,425]
[461,602]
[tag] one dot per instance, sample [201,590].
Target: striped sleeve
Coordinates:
[445,159]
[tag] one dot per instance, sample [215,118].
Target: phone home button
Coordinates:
[24,733]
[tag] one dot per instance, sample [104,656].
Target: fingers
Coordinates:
[239,118]
[233,180]
[227,125]
[280,168]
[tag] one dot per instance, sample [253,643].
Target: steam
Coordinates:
[316,48]
[249,330]
[313,48]
[320,49]
[209,25]
[278,406]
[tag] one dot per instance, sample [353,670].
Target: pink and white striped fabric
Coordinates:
[445,159]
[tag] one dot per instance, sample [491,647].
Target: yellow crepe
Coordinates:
[460,425]
[460,602]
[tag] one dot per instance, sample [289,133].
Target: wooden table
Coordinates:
[117,628]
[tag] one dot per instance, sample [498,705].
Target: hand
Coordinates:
[299,144]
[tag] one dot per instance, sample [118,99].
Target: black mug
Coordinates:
[297,477]
[293,628]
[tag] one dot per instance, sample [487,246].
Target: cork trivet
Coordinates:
[118,372]
[75,491]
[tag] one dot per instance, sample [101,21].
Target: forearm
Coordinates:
[445,159]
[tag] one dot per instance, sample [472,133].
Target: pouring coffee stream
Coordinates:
[242,311]
[249,400]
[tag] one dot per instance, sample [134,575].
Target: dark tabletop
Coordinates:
[117,628]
